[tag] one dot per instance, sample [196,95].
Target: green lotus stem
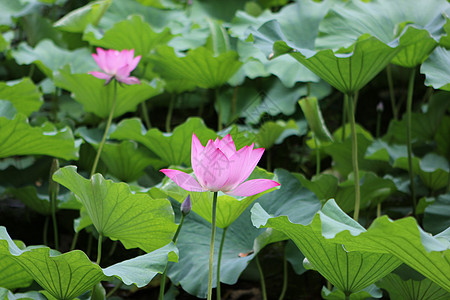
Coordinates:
[377,132]
[74,240]
[145,115]
[408,138]
[111,292]
[285,277]
[344,116]
[261,276]
[269,160]
[391,92]
[351,109]
[53,195]
[316,142]
[108,125]
[211,247]
[347,296]
[379,210]
[89,246]
[219,111]
[170,112]
[112,249]
[163,276]
[45,230]
[99,249]
[222,241]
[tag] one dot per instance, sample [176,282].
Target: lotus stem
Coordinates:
[219,110]
[99,249]
[344,116]
[222,241]
[316,142]
[148,124]
[53,195]
[351,108]
[113,290]
[164,274]
[391,92]
[211,248]
[285,277]
[74,240]
[408,137]
[45,230]
[169,113]
[108,125]
[261,276]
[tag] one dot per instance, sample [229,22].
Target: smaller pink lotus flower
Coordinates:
[116,65]
[219,167]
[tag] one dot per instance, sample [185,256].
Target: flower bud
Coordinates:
[186,206]
[380,107]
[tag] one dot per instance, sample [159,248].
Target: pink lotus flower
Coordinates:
[219,167]
[116,65]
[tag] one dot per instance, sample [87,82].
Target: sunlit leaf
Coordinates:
[68,275]
[22,94]
[137,220]
[400,289]
[402,238]
[17,137]
[369,292]
[97,98]
[348,271]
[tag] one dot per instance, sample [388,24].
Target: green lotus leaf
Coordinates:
[17,137]
[68,275]
[432,168]
[78,19]
[173,149]
[436,68]
[199,67]
[400,289]
[125,161]
[402,238]
[348,69]
[158,19]
[242,240]
[437,215]
[97,98]
[415,24]
[23,94]
[311,110]
[270,132]
[12,275]
[369,292]
[299,21]
[8,295]
[136,219]
[15,9]
[49,58]
[348,271]
[341,152]
[132,33]
[424,126]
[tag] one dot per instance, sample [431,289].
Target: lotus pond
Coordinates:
[258,149]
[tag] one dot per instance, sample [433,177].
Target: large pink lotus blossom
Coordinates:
[219,167]
[116,65]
